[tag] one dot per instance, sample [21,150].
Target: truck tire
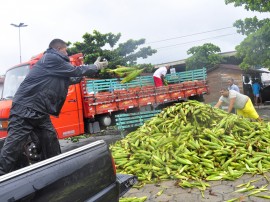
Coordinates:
[92,126]
[105,120]
[197,97]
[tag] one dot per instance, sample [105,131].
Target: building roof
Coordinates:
[237,68]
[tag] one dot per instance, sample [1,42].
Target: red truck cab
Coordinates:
[69,122]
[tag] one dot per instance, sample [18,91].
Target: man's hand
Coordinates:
[101,65]
[218,104]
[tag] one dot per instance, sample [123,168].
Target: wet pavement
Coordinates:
[219,191]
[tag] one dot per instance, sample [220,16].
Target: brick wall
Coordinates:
[218,78]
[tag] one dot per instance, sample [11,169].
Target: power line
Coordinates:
[195,41]
[189,35]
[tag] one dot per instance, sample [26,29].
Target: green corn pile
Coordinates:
[193,142]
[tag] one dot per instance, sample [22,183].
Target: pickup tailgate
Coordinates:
[76,175]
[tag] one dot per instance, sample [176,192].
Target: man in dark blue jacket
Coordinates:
[41,94]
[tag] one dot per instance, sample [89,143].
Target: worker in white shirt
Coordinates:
[159,75]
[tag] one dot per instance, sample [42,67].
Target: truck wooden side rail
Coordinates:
[109,95]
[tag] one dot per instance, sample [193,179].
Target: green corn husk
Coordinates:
[122,71]
[132,76]
[192,142]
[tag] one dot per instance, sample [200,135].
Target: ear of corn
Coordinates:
[122,71]
[132,75]
[191,142]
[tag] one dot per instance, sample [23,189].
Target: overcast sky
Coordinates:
[153,20]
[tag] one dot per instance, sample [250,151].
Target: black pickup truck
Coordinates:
[86,173]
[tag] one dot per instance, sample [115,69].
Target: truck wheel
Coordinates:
[197,97]
[106,120]
[92,127]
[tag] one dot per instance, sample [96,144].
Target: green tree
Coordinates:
[254,50]
[98,44]
[250,25]
[252,5]
[203,56]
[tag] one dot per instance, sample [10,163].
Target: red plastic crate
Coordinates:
[106,108]
[162,89]
[200,83]
[189,84]
[147,100]
[124,94]
[190,92]
[202,90]
[176,86]
[146,91]
[134,89]
[127,104]
[177,95]
[163,98]
[104,97]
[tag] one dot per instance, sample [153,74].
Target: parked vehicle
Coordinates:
[93,103]
[86,173]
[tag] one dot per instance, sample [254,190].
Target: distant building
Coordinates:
[265,77]
[218,76]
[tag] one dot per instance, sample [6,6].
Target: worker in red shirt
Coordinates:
[159,75]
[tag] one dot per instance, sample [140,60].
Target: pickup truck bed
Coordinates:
[83,174]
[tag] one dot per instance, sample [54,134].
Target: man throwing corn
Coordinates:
[159,75]
[41,94]
[240,102]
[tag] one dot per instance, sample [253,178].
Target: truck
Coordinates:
[93,103]
[86,173]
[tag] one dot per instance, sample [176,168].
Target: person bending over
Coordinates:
[240,102]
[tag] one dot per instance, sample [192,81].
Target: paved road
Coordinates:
[218,192]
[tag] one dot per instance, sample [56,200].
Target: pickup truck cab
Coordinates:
[86,173]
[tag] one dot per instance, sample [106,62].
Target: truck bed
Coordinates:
[83,174]
[105,96]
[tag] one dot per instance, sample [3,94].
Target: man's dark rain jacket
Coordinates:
[46,85]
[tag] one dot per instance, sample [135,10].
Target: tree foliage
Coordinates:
[105,45]
[203,56]
[252,5]
[250,25]
[255,49]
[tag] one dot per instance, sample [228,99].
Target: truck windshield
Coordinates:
[13,79]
